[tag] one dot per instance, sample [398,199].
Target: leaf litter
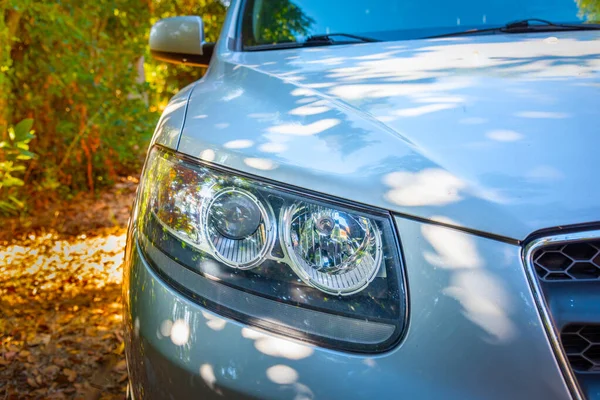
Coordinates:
[61,334]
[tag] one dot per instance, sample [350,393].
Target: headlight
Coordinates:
[238,228]
[334,251]
[318,270]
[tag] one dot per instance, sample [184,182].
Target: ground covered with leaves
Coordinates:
[60,299]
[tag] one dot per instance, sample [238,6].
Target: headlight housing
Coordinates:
[314,269]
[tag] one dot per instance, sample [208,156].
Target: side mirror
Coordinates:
[180,40]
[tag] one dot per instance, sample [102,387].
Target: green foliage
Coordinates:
[15,153]
[73,68]
[82,72]
[590,9]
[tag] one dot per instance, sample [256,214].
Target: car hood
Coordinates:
[497,134]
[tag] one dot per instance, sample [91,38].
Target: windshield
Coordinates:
[288,21]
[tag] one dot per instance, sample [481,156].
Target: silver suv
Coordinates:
[372,199]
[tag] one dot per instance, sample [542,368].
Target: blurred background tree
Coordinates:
[590,9]
[81,72]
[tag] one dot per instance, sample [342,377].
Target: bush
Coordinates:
[14,156]
[81,71]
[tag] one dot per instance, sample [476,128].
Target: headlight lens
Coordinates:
[337,266]
[238,227]
[334,251]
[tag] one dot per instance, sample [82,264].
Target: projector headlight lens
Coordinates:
[239,228]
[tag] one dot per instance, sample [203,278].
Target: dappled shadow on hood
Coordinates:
[487,111]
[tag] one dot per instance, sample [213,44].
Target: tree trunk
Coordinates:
[9,24]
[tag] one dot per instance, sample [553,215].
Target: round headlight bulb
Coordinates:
[239,228]
[337,252]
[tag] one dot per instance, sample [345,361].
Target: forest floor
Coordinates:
[61,333]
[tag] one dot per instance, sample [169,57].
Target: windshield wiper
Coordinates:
[328,38]
[523,26]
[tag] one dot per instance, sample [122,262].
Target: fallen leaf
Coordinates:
[51,370]
[70,374]
[121,366]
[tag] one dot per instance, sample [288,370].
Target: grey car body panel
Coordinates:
[170,125]
[474,333]
[493,133]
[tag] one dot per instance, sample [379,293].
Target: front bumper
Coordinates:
[474,333]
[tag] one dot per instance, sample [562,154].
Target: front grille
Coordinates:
[566,270]
[571,261]
[582,345]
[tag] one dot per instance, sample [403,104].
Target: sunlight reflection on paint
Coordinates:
[305,130]
[263,116]
[238,144]
[277,347]
[318,107]
[304,92]
[369,362]
[422,110]
[136,327]
[503,135]
[452,249]
[282,348]
[260,163]
[273,147]
[180,332]
[319,85]
[165,327]
[215,323]
[377,56]
[208,375]
[440,99]
[485,303]
[234,94]
[481,294]
[542,114]
[427,187]
[303,392]
[545,173]
[306,100]
[211,269]
[282,374]
[328,61]
[207,155]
